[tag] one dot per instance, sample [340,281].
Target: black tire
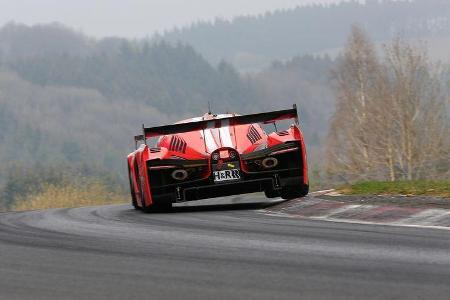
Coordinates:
[271,193]
[133,194]
[292,192]
[158,207]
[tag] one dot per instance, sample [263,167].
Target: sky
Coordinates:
[134,18]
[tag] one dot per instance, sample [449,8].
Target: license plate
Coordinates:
[227,175]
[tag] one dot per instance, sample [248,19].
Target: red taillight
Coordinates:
[162,167]
[284,151]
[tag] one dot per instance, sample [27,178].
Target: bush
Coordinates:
[59,186]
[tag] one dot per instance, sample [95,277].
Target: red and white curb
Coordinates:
[313,207]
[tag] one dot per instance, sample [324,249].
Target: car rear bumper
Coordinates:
[200,192]
[288,172]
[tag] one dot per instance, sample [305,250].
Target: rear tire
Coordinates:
[158,207]
[292,192]
[133,194]
[271,193]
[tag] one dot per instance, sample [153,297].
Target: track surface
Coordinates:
[220,252]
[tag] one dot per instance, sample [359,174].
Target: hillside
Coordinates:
[173,79]
[251,42]
[67,108]
[19,41]
[305,80]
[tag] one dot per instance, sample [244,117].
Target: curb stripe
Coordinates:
[336,211]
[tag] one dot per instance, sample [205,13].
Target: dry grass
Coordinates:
[413,188]
[93,193]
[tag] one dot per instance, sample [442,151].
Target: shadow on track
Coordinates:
[218,207]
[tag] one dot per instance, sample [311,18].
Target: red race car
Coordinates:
[218,155]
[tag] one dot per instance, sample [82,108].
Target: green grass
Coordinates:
[418,187]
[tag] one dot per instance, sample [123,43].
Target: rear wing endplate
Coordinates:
[265,118]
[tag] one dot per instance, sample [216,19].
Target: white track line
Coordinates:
[284,215]
[318,193]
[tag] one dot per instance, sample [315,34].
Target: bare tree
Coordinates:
[391,119]
[417,109]
[349,144]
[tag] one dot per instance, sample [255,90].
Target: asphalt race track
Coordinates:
[215,252]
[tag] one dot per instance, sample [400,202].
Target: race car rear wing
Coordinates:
[265,118]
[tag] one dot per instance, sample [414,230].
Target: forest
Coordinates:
[252,42]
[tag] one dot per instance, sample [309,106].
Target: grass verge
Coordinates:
[51,196]
[410,188]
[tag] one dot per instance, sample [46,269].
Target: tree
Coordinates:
[391,117]
[417,109]
[350,142]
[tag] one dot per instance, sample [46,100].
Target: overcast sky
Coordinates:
[134,18]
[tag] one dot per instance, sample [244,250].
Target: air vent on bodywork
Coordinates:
[177,144]
[155,150]
[283,133]
[176,157]
[253,134]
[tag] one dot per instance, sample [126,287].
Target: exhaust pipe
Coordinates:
[269,162]
[179,174]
